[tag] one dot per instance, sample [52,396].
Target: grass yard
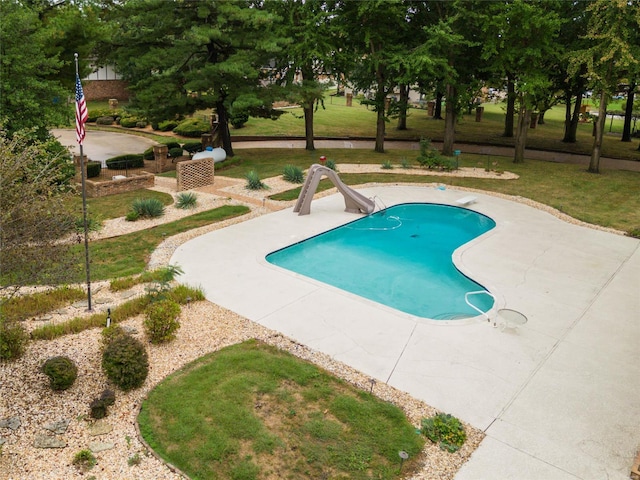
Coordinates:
[128,254]
[114,206]
[608,199]
[251,411]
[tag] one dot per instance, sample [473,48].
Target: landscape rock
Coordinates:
[100,427]
[58,427]
[48,441]
[10,422]
[97,447]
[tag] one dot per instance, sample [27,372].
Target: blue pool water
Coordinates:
[400,257]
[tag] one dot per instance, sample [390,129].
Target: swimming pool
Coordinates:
[400,257]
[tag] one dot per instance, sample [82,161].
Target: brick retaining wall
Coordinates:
[111,187]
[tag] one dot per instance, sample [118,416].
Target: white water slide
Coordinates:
[354,202]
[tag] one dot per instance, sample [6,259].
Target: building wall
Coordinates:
[105,89]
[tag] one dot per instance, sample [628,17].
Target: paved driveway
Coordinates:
[99,146]
[558,398]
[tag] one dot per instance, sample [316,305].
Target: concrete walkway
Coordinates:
[557,398]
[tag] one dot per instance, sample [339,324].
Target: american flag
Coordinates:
[81,111]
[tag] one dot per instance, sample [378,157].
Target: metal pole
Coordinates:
[84,214]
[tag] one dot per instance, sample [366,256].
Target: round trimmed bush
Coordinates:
[175,152]
[128,122]
[161,321]
[148,154]
[125,362]
[167,125]
[106,120]
[62,372]
[192,127]
[192,147]
[171,145]
[93,169]
[238,119]
[125,161]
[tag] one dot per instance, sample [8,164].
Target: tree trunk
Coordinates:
[449,121]
[380,127]
[571,121]
[511,107]
[437,113]
[594,163]
[628,113]
[524,119]
[223,126]
[541,117]
[404,101]
[308,127]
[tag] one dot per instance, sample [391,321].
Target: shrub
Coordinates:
[331,164]
[176,152]
[99,406]
[192,147]
[93,224]
[186,200]
[134,460]
[293,174]
[386,165]
[13,340]
[84,460]
[192,127]
[404,163]
[93,169]
[141,124]
[125,362]
[111,332]
[148,154]
[97,409]
[125,161]
[446,430]
[161,321]
[132,216]
[106,120]
[254,182]
[148,207]
[171,145]
[128,122]
[94,114]
[238,119]
[167,125]
[62,372]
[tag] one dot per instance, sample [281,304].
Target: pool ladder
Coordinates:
[478,292]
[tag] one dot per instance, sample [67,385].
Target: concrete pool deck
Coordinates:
[557,398]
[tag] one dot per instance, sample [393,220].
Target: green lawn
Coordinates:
[251,411]
[128,254]
[610,198]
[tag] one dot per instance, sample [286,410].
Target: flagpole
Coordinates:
[84,200]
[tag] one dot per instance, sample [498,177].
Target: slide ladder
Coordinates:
[354,202]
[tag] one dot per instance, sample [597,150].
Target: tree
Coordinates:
[35,222]
[308,54]
[613,52]
[37,72]
[519,39]
[375,31]
[180,57]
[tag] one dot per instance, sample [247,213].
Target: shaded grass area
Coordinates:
[338,120]
[39,303]
[268,414]
[128,254]
[120,313]
[609,199]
